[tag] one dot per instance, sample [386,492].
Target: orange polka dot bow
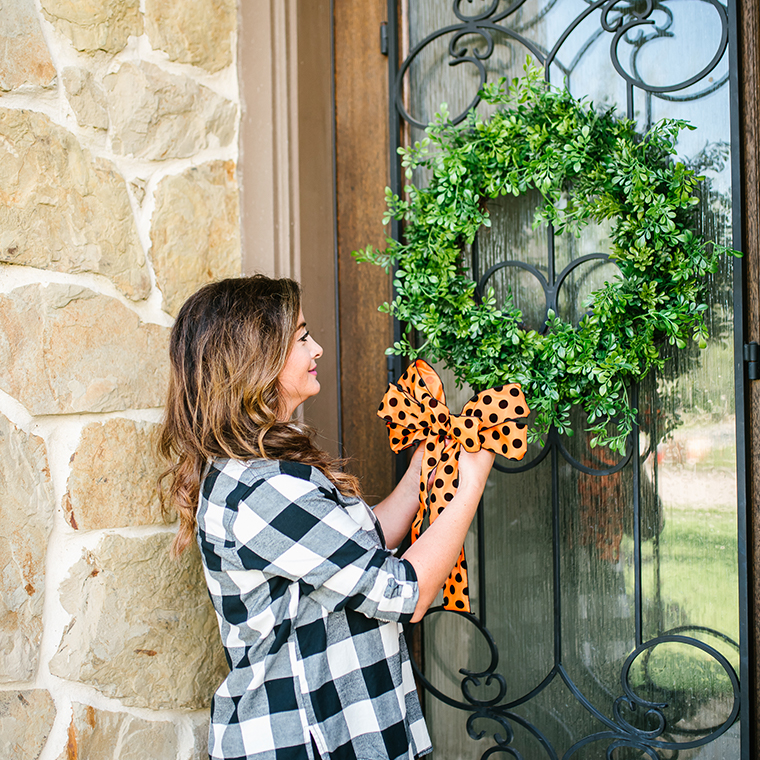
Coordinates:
[415,410]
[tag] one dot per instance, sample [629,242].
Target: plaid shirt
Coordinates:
[310,606]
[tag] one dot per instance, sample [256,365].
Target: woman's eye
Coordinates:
[304,336]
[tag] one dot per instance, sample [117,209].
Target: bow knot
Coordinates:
[415,411]
[466,430]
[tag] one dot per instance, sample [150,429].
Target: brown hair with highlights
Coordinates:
[227,349]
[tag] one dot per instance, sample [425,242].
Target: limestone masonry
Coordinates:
[118,198]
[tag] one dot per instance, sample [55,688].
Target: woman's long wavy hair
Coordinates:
[227,349]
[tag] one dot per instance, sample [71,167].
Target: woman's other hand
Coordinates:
[397,511]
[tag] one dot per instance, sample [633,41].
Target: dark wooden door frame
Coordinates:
[361,147]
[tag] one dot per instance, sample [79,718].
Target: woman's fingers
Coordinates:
[474,468]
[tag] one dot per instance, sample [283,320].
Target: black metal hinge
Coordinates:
[752,360]
[390,363]
[384,38]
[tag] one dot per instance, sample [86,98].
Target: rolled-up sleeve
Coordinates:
[292,528]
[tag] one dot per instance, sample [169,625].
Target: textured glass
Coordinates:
[557,575]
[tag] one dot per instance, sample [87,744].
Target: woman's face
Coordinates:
[298,378]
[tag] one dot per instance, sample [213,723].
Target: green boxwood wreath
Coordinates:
[543,138]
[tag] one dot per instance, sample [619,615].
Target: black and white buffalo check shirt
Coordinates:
[310,606]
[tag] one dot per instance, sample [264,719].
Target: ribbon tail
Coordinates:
[419,518]
[422,510]
[456,592]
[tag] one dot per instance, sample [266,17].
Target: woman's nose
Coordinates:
[316,349]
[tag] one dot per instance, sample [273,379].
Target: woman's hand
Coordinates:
[474,469]
[397,511]
[415,462]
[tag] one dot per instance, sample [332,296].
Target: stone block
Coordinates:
[65,349]
[24,57]
[156,115]
[113,477]
[143,629]
[200,726]
[95,24]
[61,209]
[103,735]
[195,231]
[199,33]
[86,97]
[26,718]
[27,504]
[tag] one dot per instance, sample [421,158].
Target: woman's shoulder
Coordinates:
[291,478]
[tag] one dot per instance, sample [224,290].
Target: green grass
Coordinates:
[698,587]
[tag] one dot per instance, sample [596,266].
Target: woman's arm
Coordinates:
[434,553]
[397,511]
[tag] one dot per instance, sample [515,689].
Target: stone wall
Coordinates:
[118,198]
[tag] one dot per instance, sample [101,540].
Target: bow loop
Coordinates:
[405,417]
[498,410]
[415,410]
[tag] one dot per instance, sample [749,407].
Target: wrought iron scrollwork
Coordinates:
[551,292]
[620,731]
[483,25]
[622,29]
[470,677]
[619,18]
[491,708]
[652,741]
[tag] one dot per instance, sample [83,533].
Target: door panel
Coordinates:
[609,591]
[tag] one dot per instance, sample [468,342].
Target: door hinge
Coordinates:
[384,38]
[390,363]
[752,360]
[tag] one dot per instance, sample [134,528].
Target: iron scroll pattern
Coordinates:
[636,723]
[627,21]
[618,733]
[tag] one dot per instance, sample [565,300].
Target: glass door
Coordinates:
[608,591]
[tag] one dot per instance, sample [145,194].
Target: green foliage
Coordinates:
[545,139]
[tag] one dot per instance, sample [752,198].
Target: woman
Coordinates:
[309,595]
